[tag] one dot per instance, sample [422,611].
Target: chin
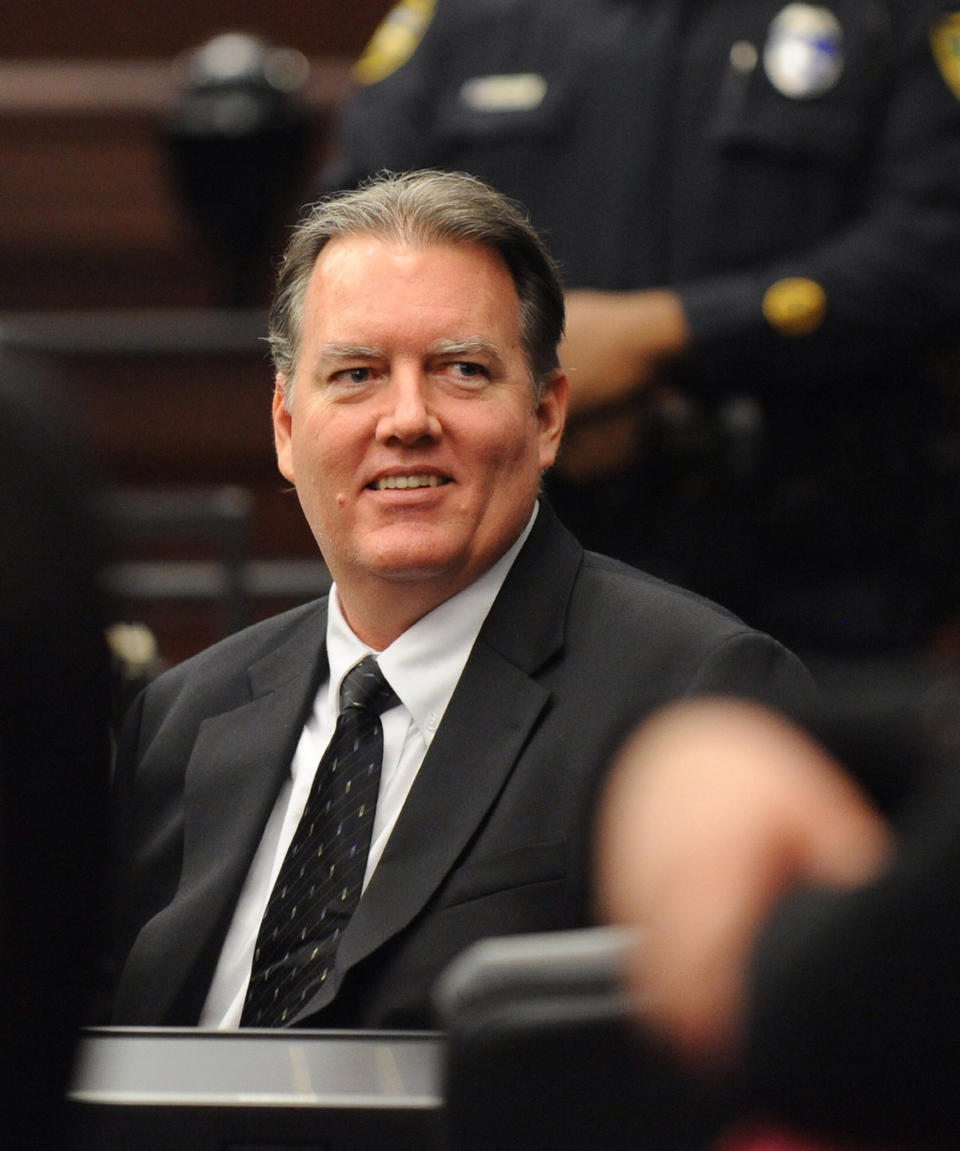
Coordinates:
[410,571]
[413,556]
[406,565]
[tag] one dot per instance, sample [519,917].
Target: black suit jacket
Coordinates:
[574,651]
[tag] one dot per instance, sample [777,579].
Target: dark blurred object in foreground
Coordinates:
[54,756]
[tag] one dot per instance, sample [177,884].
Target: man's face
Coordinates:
[412,439]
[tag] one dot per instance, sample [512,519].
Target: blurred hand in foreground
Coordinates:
[714,808]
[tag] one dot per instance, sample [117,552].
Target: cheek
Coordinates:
[517,454]
[510,478]
[318,474]
[321,449]
[507,442]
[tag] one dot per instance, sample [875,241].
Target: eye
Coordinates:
[351,377]
[467,370]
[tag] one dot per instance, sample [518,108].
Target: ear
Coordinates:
[552,416]
[283,429]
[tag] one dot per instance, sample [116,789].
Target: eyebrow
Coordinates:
[472,346]
[349,352]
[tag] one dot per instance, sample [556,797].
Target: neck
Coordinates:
[377,616]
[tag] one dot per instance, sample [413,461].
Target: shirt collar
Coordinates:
[424,664]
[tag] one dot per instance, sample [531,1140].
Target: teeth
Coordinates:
[390,482]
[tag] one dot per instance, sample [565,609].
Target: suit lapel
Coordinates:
[236,768]
[470,759]
[496,705]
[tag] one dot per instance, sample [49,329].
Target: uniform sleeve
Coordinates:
[385,121]
[887,283]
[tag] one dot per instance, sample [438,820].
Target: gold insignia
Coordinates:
[795,306]
[945,42]
[395,41]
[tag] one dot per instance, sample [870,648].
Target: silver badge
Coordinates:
[803,55]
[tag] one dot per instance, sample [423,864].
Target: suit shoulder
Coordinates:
[235,654]
[617,586]
[685,642]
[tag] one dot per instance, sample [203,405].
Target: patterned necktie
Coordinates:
[318,886]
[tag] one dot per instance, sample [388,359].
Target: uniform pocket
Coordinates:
[789,170]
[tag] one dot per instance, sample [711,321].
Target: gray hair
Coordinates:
[420,209]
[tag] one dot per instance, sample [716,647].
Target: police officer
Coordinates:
[756,206]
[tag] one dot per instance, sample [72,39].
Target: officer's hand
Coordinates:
[617,342]
[615,348]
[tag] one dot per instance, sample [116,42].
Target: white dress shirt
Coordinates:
[423,666]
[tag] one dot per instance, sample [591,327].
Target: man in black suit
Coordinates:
[418,401]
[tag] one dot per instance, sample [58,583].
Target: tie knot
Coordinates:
[364,686]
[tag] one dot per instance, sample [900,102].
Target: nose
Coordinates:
[408,416]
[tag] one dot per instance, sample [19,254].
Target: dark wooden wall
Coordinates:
[89,215]
[113,29]
[105,275]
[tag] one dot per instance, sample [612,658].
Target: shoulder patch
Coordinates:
[395,41]
[945,42]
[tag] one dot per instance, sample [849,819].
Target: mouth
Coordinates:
[406,482]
